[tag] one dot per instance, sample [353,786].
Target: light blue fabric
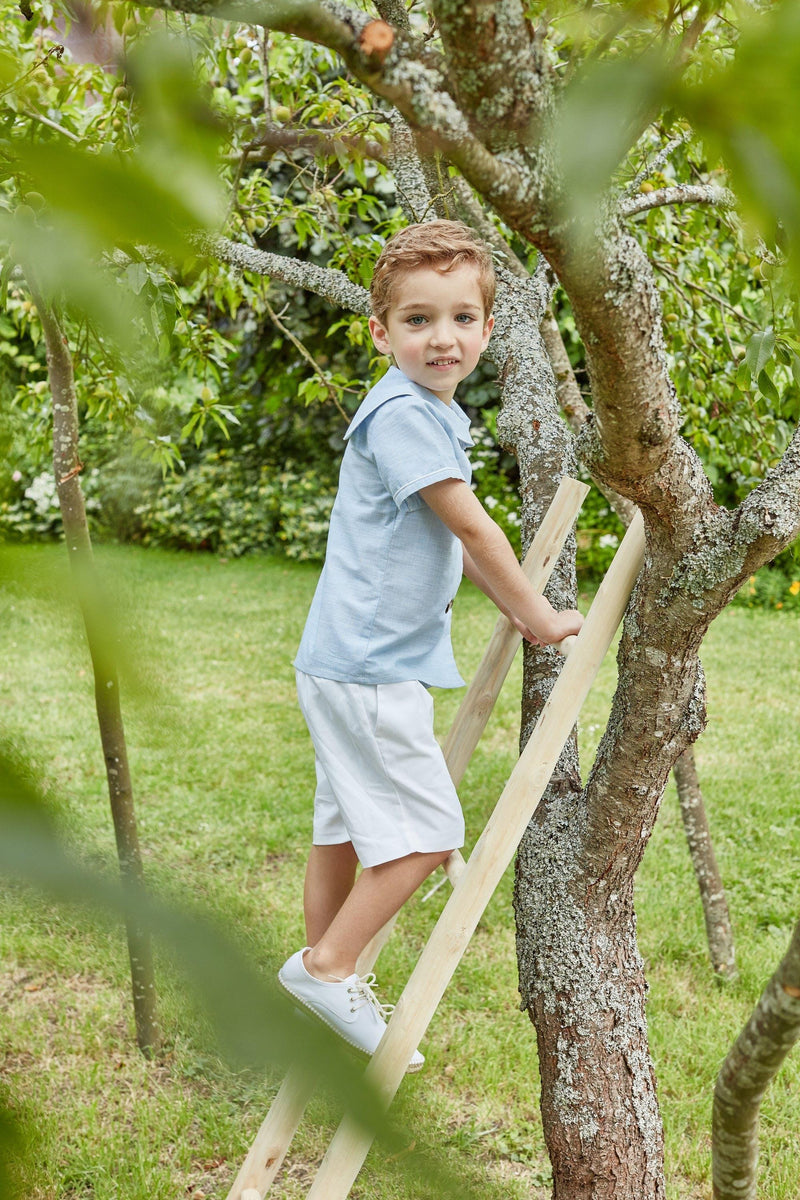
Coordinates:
[381,611]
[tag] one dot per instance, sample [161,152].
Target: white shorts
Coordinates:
[382,783]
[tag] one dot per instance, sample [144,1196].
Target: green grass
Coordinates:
[223,776]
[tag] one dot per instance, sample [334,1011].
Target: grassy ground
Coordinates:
[223,775]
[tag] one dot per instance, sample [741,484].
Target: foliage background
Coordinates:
[223,432]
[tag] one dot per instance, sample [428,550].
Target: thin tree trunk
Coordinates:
[704,861]
[67,468]
[751,1064]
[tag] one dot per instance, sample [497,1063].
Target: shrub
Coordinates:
[771,587]
[29,510]
[230,508]
[493,481]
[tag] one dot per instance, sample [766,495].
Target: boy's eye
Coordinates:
[465,318]
[417,319]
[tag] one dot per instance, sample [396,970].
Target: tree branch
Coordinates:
[664,154]
[316,141]
[309,358]
[617,311]
[42,120]
[404,161]
[497,75]
[680,194]
[574,407]
[394,66]
[333,286]
[768,519]
[475,215]
[395,13]
[327,24]
[751,1064]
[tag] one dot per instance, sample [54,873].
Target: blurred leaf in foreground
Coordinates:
[747,109]
[95,199]
[597,122]
[254,1024]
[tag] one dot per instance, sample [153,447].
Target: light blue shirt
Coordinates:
[381,611]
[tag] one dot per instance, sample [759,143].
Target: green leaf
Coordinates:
[113,200]
[190,424]
[597,122]
[212,412]
[253,1024]
[767,388]
[5,275]
[743,375]
[65,263]
[759,350]
[137,275]
[746,111]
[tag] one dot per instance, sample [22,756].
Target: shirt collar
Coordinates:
[393,384]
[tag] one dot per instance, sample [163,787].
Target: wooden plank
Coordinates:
[274,1137]
[486,865]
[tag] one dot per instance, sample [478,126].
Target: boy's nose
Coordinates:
[441,335]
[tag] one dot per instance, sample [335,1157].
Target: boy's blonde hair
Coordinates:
[442,245]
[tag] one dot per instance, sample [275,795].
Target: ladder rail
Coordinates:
[487,863]
[273,1139]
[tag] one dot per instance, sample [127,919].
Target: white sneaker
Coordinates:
[348,1006]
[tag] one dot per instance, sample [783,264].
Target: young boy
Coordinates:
[404,527]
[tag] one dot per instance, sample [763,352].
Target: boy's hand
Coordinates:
[571,622]
[570,619]
[528,635]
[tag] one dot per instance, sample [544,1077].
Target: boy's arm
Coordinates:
[496,570]
[472,573]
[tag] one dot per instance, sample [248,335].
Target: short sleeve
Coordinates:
[411,447]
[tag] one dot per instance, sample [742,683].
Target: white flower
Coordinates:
[43,493]
[490,502]
[608,540]
[17,476]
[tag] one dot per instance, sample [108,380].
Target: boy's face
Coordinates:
[436,327]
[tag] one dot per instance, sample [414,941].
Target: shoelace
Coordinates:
[362,993]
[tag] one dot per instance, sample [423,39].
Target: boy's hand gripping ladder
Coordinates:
[475,881]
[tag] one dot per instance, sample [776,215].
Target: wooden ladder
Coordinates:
[474,881]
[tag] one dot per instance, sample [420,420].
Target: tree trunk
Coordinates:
[67,468]
[751,1064]
[690,795]
[704,861]
[585,990]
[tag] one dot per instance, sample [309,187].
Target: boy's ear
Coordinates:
[379,336]
[487,331]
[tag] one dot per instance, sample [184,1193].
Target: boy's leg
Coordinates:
[330,874]
[375,897]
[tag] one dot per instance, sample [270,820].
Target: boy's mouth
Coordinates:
[443,362]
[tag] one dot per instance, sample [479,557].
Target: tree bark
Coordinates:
[712,893]
[690,795]
[67,466]
[751,1064]
[583,984]
[581,975]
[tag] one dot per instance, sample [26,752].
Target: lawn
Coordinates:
[223,776]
